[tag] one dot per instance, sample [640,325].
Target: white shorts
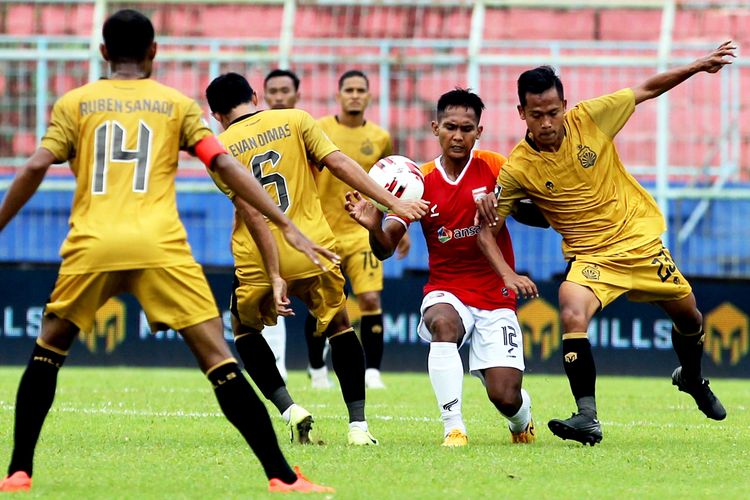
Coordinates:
[494,336]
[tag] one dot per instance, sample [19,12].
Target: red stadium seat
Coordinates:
[19,20]
[24,143]
[618,24]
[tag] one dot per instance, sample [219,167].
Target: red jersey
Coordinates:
[456,263]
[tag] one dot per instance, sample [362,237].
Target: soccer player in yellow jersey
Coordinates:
[122,137]
[281,89]
[276,145]
[365,142]
[611,227]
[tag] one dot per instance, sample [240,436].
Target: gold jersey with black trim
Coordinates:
[122,139]
[365,145]
[583,189]
[278,146]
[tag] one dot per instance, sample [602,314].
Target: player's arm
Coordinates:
[25,184]
[384,237]
[711,63]
[269,252]
[526,212]
[487,241]
[244,185]
[352,174]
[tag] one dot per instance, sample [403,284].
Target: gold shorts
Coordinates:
[364,270]
[645,278]
[172,297]
[252,301]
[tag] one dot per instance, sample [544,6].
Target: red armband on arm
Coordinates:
[207,149]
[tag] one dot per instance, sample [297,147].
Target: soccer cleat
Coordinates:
[528,435]
[704,397]
[319,378]
[301,485]
[579,427]
[359,437]
[18,481]
[373,379]
[455,438]
[300,426]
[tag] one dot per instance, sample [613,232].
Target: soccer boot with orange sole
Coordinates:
[301,485]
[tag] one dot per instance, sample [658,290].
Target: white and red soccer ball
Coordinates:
[400,176]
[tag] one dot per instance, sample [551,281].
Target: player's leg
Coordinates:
[496,356]
[316,351]
[326,300]
[365,273]
[275,335]
[445,327]
[371,331]
[578,304]
[179,297]
[73,303]
[251,305]
[687,340]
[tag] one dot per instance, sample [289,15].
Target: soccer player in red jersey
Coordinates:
[464,298]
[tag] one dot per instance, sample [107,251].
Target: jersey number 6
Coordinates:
[275,178]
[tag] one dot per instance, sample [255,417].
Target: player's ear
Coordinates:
[254,99]
[479,131]
[435,128]
[565,105]
[103,52]
[152,51]
[522,113]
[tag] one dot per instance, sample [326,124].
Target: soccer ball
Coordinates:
[400,176]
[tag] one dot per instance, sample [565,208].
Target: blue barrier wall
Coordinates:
[719,246]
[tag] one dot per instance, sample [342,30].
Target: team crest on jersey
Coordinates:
[549,185]
[586,156]
[591,272]
[444,234]
[478,193]
[367,148]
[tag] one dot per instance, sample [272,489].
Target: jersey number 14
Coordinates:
[109,146]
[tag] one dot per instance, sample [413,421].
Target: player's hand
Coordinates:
[362,211]
[313,252]
[403,247]
[522,285]
[717,59]
[486,210]
[410,209]
[280,298]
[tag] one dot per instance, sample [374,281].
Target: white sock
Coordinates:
[276,338]
[519,421]
[360,424]
[287,414]
[447,376]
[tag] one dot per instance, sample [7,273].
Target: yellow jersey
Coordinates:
[122,139]
[365,145]
[583,189]
[277,146]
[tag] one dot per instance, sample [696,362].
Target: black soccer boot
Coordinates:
[704,397]
[579,427]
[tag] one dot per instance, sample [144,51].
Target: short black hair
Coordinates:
[351,73]
[538,81]
[462,98]
[228,91]
[282,72]
[128,35]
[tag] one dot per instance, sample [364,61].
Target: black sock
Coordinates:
[316,344]
[247,413]
[349,364]
[581,372]
[36,392]
[689,350]
[371,331]
[260,363]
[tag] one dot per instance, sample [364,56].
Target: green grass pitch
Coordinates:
[158,433]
